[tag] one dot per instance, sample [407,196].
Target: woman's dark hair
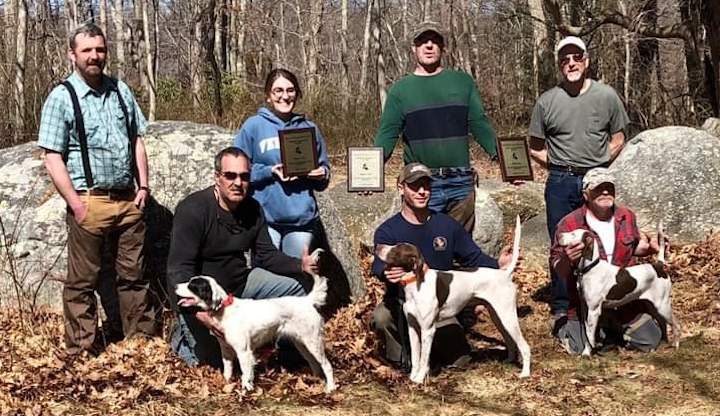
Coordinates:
[282,73]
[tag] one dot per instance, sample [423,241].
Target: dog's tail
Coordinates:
[516,247]
[661,242]
[318,294]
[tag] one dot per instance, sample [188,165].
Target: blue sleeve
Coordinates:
[244,140]
[323,161]
[468,253]
[56,120]
[382,236]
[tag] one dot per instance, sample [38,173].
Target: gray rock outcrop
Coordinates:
[673,174]
[181,156]
[712,126]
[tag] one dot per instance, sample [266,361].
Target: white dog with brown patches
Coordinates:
[434,295]
[249,324]
[604,285]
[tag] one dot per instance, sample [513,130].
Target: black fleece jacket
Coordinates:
[207,240]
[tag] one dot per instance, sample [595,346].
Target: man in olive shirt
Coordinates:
[575,126]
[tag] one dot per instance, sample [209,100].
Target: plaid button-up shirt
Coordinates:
[108,144]
[627,237]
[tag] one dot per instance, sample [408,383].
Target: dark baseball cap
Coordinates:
[412,172]
[427,26]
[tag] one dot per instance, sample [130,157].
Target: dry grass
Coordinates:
[142,377]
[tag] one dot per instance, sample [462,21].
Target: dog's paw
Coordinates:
[330,387]
[417,378]
[248,385]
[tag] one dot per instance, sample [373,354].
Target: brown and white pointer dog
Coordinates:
[432,296]
[604,285]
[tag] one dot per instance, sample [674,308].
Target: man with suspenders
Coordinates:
[90,130]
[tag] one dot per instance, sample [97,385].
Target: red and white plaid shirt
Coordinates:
[627,237]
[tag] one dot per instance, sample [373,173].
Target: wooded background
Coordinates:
[205,60]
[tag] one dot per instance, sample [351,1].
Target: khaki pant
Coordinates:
[119,221]
[464,211]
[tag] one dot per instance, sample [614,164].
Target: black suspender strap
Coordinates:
[80,127]
[131,128]
[82,136]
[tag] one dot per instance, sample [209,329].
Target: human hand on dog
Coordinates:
[394,274]
[309,263]
[573,252]
[211,324]
[655,243]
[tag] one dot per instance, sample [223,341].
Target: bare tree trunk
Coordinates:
[473,40]
[149,67]
[696,73]
[209,19]
[102,5]
[540,41]
[10,15]
[711,12]
[344,65]
[427,6]
[218,28]
[313,39]
[196,56]
[232,39]
[404,18]
[118,18]
[20,54]
[240,66]
[283,36]
[136,48]
[380,60]
[364,55]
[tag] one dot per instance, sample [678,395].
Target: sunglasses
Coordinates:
[231,176]
[429,36]
[577,57]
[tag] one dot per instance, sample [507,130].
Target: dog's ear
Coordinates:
[203,290]
[382,250]
[589,243]
[419,269]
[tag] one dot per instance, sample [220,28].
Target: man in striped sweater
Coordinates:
[435,108]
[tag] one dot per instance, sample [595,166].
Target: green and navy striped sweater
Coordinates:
[435,114]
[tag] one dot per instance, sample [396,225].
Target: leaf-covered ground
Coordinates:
[142,377]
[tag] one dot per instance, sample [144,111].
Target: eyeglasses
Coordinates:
[231,176]
[278,92]
[577,57]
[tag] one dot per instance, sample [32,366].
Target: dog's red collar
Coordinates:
[227,301]
[407,279]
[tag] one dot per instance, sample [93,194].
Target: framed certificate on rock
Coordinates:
[514,158]
[366,169]
[298,151]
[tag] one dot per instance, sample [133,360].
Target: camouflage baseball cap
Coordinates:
[427,26]
[595,177]
[412,172]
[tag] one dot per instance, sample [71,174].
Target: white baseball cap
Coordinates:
[570,40]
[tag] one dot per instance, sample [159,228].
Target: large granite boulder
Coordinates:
[181,156]
[673,174]
[712,126]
